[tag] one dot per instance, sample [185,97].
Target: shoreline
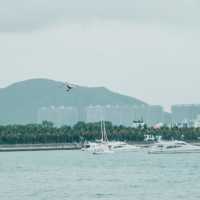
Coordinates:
[61,146]
[39,147]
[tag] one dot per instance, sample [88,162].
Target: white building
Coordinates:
[58,115]
[117,114]
[138,124]
[149,138]
[197,122]
[95,113]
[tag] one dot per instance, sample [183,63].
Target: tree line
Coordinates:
[47,133]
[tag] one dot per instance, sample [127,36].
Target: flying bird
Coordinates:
[68,87]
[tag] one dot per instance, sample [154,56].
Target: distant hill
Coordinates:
[20,102]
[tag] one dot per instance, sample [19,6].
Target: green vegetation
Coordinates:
[47,133]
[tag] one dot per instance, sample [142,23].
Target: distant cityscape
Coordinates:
[38,100]
[180,115]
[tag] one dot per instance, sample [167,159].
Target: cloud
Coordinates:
[23,15]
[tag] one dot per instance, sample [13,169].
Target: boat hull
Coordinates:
[175,151]
[102,152]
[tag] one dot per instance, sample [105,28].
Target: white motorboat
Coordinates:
[172,147]
[122,146]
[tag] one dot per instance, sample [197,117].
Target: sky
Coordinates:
[141,48]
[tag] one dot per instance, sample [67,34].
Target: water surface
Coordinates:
[77,175]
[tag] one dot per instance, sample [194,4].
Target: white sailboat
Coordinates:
[105,146]
[102,146]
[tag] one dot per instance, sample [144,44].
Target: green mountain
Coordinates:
[20,102]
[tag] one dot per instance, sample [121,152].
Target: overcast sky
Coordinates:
[142,48]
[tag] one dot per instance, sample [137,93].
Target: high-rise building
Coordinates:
[124,115]
[154,115]
[117,114]
[59,115]
[95,113]
[185,112]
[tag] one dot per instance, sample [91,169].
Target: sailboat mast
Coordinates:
[102,134]
[104,130]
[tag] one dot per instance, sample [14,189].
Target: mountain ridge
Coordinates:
[20,101]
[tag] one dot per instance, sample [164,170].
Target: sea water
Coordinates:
[77,175]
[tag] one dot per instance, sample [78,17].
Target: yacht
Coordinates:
[172,147]
[105,146]
[122,146]
[88,146]
[115,146]
[102,146]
